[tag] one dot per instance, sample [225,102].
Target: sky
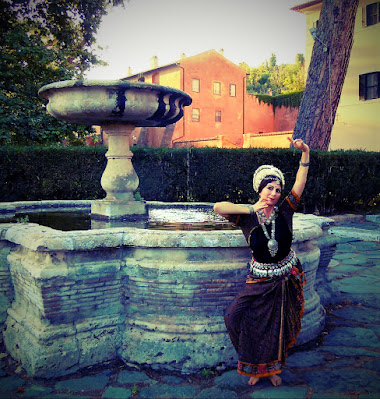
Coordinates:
[247,30]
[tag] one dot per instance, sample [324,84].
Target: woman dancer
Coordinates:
[264,319]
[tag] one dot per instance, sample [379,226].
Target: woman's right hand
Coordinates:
[260,204]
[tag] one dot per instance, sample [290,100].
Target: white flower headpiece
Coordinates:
[267,170]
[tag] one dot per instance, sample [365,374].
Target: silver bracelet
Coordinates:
[251,210]
[304,164]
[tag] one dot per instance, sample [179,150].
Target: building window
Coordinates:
[218,116]
[196,84]
[195,115]
[232,90]
[217,88]
[369,86]
[371,14]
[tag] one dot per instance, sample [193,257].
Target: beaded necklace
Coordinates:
[272,243]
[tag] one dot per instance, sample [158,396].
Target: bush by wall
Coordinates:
[339,181]
[41,173]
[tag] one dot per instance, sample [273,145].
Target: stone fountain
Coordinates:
[150,297]
[118,107]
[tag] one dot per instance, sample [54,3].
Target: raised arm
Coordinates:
[301,176]
[228,208]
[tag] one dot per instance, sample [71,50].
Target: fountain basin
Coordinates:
[97,102]
[149,297]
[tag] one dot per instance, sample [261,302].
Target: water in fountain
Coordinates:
[193,217]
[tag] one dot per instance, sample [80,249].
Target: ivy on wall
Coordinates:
[292,100]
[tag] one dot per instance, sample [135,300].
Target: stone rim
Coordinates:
[111,84]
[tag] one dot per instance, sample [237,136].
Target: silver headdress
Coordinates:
[267,170]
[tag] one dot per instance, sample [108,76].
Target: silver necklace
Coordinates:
[272,243]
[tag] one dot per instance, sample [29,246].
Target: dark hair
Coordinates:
[267,180]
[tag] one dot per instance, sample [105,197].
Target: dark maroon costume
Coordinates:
[264,319]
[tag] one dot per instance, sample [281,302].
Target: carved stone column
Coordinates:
[119,179]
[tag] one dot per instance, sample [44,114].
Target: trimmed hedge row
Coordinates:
[339,181]
[42,173]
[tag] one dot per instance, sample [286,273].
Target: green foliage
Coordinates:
[41,173]
[339,181]
[273,79]
[24,219]
[292,100]
[135,390]
[206,374]
[42,42]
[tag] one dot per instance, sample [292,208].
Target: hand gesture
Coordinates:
[260,204]
[298,144]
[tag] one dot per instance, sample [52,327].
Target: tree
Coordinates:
[275,79]
[327,71]
[300,59]
[273,60]
[42,41]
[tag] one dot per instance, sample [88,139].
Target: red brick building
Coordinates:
[222,113]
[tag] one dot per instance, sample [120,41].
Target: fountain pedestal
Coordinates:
[119,179]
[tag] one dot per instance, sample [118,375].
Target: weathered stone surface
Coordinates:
[11,384]
[343,380]
[340,363]
[232,380]
[348,351]
[280,392]
[361,314]
[83,384]
[373,365]
[168,391]
[216,393]
[288,377]
[132,377]
[355,233]
[36,391]
[355,337]
[171,379]
[117,393]
[318,395]
[305,359]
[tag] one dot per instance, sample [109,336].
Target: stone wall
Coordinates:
[6,287]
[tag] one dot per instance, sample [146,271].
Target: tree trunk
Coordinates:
[327,71]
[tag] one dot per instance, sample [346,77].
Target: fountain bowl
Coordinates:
[102,102]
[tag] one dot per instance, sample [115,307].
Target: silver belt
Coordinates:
[273,269]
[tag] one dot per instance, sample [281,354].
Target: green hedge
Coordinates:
[41,173]
[339,181]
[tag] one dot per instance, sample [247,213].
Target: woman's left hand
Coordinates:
[299,144]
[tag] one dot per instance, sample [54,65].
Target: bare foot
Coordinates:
[253,380]
[275,380]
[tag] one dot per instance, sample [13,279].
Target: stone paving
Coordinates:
[344,362]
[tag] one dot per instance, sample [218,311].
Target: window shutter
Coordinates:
[364,17]
[361,87]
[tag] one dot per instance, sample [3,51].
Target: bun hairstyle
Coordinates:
[266,174]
